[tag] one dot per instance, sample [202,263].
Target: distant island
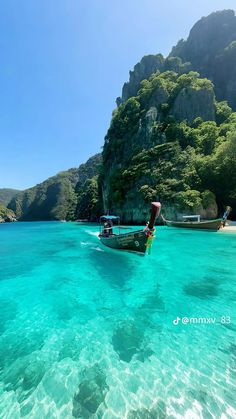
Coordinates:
[171,138]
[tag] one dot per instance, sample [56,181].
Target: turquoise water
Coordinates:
[87,331]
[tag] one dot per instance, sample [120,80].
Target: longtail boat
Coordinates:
[136,241]
[198,225]
[188,222]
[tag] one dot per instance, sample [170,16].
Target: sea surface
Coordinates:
[88,332]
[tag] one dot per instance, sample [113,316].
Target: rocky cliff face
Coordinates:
[148,65]
[6,215]
[193,103]
[211,49]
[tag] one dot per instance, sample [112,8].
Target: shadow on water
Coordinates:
[113,266]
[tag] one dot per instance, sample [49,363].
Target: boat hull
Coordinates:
[213,225]
[134,241]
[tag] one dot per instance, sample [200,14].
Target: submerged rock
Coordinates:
[156,412]
[202,290]
[127,340]
[91,393]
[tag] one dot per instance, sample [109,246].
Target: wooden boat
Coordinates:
[189,222]
[198,225]
[134,241]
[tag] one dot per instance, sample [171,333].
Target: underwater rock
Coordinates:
[153,301]
[201,290]
[23,376]
[144,354]
[26,408]
[33,374]
[127,340]
[67,309]
[92,392]
[158,412]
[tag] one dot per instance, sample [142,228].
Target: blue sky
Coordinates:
[62,65]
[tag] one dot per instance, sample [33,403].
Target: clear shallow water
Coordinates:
[88,332]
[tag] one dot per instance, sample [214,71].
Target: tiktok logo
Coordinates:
[176,321]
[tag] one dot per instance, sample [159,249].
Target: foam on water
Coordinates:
[87,331]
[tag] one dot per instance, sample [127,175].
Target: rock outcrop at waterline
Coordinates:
[6,215]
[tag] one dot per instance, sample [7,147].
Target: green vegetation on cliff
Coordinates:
[58,197]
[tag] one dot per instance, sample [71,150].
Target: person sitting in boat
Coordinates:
[110,227]
[106,228]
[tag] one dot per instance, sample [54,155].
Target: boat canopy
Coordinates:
[110,217]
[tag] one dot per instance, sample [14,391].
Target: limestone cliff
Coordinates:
[193,103]
[211,49]
[161,145]
[148,65]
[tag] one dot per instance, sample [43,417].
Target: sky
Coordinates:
[62,65]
